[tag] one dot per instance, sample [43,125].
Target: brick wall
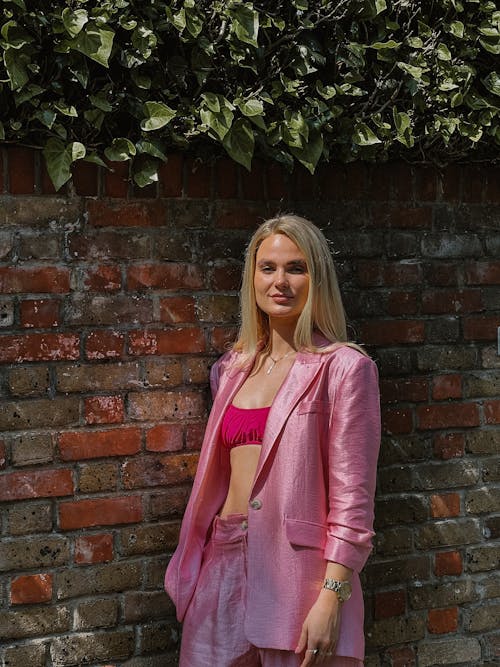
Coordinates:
[115,303]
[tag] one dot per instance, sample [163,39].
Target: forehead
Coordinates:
[279,246]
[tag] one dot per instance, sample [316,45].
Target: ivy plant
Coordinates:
[298,81]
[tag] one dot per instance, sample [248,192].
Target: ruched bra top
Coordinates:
[243,426]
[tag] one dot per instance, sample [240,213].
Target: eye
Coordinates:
[297,268]
[266,268]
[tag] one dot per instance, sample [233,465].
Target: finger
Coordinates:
[302,641]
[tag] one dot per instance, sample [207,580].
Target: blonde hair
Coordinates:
[323,311]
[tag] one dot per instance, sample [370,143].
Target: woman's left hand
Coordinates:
[320,630]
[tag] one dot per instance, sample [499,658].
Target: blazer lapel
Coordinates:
[294,386]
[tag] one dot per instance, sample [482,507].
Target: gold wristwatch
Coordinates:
[343,589]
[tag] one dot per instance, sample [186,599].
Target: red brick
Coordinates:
[445,505]
[442,274]
[410,218]
[170,176]
[36,484]
[1,172]
[446,386]
[91,549]
[450,183]
[394,390]
[402,303]
[164,276]
[445,416]
[39,347]
[39,280]
[304,184]
[440,621]
[40,313]
[166,405]
[238,217]
[480,328]
[448,563]
[492,412]
[333,182]
[126,214]
[100,512]
[21,163]
[449,445]
[104,410]
[155,470]
[173,341]
[483,273]
[116,179]
[401,657]
[276,179]
[397,420]
[164,438]
[452,301]
[390,332]
[85,178]
[46,185]
[226,179]
[492,185]
[78,445]
[199,176]
[3,455]
[194,435]
[104,345]
[103,278]
[226,278]
[253,182]
[402,178]
[176,309]
[222,338]
[390,603]
[473,183]
[31,589]
[378,273]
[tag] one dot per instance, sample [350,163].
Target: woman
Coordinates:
[279,522]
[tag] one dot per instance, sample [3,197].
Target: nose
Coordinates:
[281,279]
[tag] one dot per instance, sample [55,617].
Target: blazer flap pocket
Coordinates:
[313,406]
[305,533]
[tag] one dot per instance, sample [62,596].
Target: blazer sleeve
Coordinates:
[354,441]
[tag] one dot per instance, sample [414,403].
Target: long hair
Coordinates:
[323,311]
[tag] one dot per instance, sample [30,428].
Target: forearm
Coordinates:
[339,573]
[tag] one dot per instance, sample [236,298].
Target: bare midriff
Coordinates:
[244,461]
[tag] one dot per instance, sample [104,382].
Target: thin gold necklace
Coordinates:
[275,361]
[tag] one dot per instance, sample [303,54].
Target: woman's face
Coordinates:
[281,279]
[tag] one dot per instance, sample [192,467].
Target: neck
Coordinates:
[281,340]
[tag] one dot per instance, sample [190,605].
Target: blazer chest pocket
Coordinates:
[308,407]
[305,533]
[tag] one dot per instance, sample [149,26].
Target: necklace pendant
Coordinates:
[268,372]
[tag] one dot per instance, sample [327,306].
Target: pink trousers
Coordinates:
[212,634]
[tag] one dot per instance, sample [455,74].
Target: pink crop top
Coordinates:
[243,426]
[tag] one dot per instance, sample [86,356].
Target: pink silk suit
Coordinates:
[312,497]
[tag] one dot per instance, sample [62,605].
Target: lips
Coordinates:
[280,298]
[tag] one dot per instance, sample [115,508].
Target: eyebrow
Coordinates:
[292,262]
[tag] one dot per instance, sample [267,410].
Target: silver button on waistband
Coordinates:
[256,504]
[244,525]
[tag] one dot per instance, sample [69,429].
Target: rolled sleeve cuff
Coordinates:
[353,556]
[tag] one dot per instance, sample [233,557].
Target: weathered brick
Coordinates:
[404,449]
[450,651]
[400,657]
[100,512]
[395,479]
[104,410]
[29,518]
[156,538]
[483,272]
[389,603]
[445,475]
[104,345]
[445,358]
[445,416]
[36,246]
[109,245]
[491,470]
[40,212]
[102,278]
[39,413]
[392,573]
[32,449]
[397,420]
[33,552]
[90,549]
[165,276]
[194,435]
[482,384]
[164,438]
[441,621]
[392,332]
[482,442]
[22,655]
[448,563]
[90,444]
[482,559]
[393,542]
[181,340]
[104,310]
[36,484]
[376,273]
[31,622]
[447,533]
[91,647]
[146,605]
[157,405]
[162,373]
[480,327]
[46,279]
[449,301]
[100,613]
[398,630]
[491,412]
[395,390]
[445,505]
[98,477]
[408,509]
[92,377]
[154,470]
[446,386]
[168,504]
[40,313]
[218,308]
[97,580]
[442,329]
[154,639]
[39,347]
[6,313]
[448,445]
[482,618]
[197,370]
[31,589]
[178,309]
[449,244]
[29,380]
[481,501]
[432,596]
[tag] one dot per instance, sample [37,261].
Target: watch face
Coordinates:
[345,591]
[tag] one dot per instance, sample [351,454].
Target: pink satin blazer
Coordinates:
[311,501]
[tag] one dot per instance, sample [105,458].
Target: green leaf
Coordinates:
[363,136]
[95,43]
[390,44]
[147,174]
[491,48]
[28,92]
[2,132]
[239,142]
[150,148]
[66,110]
[157,116]
[16,66]
[219,123]
[121,149]
[59,158]
[492,83]
[310,152]
[443,52]
[380,6]
[245,24]
[252,107]
[412,70]
[74,21]
[457,29]
[95,159]
[212,101]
